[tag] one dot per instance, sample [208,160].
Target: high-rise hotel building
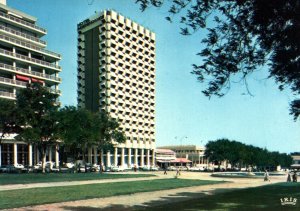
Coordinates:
[23,59]
[116,74]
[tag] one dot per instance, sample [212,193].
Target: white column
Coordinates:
[148,157]
[50,153]
[15,154]
[90,155]
[129,157]
[102,157]
[95,155]
[30,154]
[122,156]
[0,155]
[56,156]
[116,156]
[153,157]
[37,154]
[136,156]
[108,158]
[142,157]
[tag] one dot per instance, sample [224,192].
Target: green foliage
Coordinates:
[7,118]
[245,35]
[36,111]
[239,154]
[80,128]
[75,129]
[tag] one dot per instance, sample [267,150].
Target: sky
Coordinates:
[183,114]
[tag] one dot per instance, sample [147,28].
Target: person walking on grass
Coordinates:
[289,179]
[295,176]
[177,172]
[266,176]
[165,168]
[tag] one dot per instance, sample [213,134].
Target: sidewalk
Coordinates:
[128,202]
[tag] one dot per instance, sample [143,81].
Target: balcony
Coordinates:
[54,91]
[23,84]
[12,82]
[7,95]
[29,46]
[30,60]
[23,35]
[27,72]
[20,22]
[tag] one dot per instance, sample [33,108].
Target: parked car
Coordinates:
[153,168]
[172,168]
[116,168]
[7,168]
[194,168]
[146,168]
[182,168]
[70,165]
[19,166]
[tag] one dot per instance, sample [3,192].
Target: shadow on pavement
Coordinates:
[171,201]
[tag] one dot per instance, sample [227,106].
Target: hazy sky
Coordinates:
[183,114]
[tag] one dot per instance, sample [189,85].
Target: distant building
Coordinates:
[296,160]
[191,152]
[164,157]
[167,157]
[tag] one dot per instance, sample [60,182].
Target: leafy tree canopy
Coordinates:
[7,118]
[80,128]
[246,34]
[239,154]
[36,110]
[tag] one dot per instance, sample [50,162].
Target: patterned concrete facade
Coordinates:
[116,74]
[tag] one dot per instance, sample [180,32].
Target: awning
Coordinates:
[36,80]
[164,161]
[23,78]
[296,166]
[181,160]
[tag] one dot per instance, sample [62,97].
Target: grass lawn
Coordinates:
[34,196]
[6,179]
[259,198]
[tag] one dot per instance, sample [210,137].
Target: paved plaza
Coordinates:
[127,202]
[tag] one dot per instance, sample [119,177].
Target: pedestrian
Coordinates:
[165,170]
[295,176]
[266,176]
[177,172]
[135,168]
[289,179]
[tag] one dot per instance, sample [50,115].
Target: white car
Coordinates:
[172,168]
[38,165]
[153,168]
[116,168]
[196,168]
[70,165]
[18,166]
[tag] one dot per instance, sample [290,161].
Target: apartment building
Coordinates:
[116,74]
[23,59]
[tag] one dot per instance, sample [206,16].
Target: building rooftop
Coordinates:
[182,147]
[17,13]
